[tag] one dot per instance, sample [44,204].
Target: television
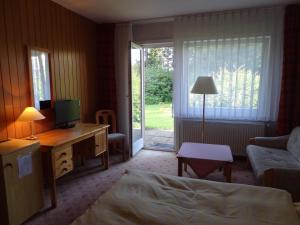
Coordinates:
[66,113]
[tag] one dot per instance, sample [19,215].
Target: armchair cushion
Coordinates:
[293,145]
[263,158]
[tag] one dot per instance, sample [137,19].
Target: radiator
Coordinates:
[234,134]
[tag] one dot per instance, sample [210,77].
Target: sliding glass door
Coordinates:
[137,96]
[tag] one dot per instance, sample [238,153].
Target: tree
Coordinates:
[158,75]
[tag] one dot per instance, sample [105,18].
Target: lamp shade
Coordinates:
[204,85]
[30,114]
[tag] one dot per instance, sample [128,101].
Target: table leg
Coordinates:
[51,179]
[227,172]
[185,166]
[124,149]
[106,159]
[179,167]
[53,192]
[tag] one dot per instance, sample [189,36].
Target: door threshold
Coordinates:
[159,149]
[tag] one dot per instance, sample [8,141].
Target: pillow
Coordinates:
[293,145]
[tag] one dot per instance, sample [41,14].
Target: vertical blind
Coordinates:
[242,51]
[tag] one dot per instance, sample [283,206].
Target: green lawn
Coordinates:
[159,116]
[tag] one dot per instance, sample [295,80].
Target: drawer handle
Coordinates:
[62,154]
[8,165]
[97,145]
[63,162]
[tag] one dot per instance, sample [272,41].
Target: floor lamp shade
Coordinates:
[204,85]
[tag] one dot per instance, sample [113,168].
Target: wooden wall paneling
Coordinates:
[86,75]
[77,57]
[69,55]
[3,130]
[83,90]
[37,24]
[55,62]
[90,69]
[3,119]
[73,55]
[19,52]
[71,40]
[46,12]
[83,63]
[12,59]
[66,87]
[61,75]
[6,75]
[43,25]
[25,87]
[50,34]
[68,74]
[93,70]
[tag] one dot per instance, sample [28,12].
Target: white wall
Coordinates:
[153,32]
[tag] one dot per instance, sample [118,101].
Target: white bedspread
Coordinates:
[149,198]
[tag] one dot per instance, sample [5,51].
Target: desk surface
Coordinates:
[58,137]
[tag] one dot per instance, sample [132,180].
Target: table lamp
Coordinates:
[30,114]
[204,85]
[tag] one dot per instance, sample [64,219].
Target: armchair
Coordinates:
[276,161]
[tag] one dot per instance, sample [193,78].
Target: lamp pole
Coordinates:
[203,116]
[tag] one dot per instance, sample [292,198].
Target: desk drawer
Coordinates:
[100,142]
[63,153]
[63,161]
[63,169]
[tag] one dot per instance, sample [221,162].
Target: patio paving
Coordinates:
[156,139]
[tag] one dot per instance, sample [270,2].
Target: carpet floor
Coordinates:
[78,190]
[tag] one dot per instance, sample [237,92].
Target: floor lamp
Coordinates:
[204,85]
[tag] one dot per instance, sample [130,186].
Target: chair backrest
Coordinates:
[106,116]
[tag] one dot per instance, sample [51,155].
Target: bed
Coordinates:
[151,198]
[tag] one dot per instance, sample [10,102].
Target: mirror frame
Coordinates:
[29,49]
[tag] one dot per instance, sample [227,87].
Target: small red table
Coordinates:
[205,158]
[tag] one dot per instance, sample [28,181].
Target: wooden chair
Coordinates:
[115,140]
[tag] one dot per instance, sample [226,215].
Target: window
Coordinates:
[242,51]
[237,66]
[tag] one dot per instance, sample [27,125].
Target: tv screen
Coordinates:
[67,111]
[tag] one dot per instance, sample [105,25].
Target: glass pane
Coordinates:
[136,94]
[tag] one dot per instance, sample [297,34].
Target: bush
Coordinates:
[158,85]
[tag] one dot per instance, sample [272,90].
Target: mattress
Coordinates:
[152,198]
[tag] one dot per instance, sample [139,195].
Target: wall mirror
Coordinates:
[40,76]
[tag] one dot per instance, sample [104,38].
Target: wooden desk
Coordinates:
[59,145]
